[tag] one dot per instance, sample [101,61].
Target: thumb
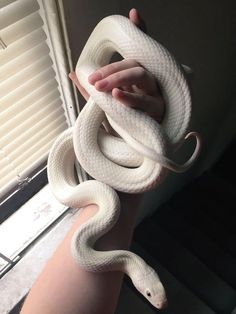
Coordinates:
[135,17]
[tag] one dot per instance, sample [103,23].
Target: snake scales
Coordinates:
[134,162]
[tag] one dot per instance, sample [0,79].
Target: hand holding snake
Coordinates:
[140,162]
[128,82]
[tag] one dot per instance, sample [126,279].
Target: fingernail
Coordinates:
[101,84]
[117,93]
[94,77]
[71,75]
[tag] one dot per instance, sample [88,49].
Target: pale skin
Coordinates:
[64,287]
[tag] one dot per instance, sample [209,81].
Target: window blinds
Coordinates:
[31,107]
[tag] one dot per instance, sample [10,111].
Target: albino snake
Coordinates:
[134,163]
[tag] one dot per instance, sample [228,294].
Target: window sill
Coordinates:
[27,223]
[40,213]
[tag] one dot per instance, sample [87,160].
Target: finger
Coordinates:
[152,106]
[110,69]
[127,88]
[75,80]
[137,19]
[134,76]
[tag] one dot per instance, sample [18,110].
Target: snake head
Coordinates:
[152,289]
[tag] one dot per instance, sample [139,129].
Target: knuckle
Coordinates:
[116,78]
[141,72]
[107,69]
[111,67]
[132,63]
[143,99]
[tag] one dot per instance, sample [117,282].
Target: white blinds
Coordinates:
[31,108]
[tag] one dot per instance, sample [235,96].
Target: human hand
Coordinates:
[129,82]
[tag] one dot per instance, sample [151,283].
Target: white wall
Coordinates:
[202,35]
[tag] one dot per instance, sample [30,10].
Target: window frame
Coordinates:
[17,200]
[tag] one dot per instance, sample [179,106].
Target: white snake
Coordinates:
[134,163]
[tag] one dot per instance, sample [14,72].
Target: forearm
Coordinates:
[64,287]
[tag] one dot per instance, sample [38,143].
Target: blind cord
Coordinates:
[22,182]
[3,44]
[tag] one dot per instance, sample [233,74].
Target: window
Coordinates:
[32,104]
[37,102]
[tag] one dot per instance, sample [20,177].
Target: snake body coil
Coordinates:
[134,163]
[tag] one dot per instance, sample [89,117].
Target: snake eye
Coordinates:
[148,293]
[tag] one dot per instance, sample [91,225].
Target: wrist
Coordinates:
[119,237]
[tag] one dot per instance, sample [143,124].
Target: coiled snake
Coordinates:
[133,163]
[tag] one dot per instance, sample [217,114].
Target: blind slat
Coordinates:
[6,154]
[20,125]
[21,28]
[13,13]
[35,157]
[23,61]
[21,153]
[40,149]
[24,141]
[26,89]
[25,75]
[21,46]
[33,101]
[36,109]
[4,3]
